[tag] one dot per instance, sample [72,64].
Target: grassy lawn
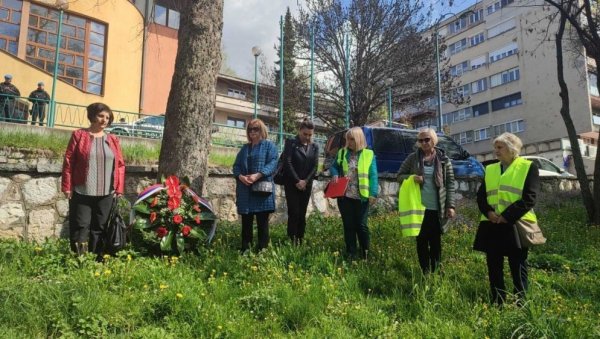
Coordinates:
[307,291]
[134,154]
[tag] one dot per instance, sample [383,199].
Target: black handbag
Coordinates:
[262,187]
[116,229]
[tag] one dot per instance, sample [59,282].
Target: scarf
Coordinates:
[437,165]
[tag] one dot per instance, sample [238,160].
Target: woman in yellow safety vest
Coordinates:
[432,170]
[507,194]
[357,163]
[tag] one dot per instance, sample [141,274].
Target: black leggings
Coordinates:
[88,216]
[297,203]
[429,242]
[262,221]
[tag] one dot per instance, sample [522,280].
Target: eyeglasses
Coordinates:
[424,140]
[253,129]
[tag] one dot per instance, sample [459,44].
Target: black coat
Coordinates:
[301,162]
[503,238]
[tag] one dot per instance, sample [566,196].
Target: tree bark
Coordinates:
[191,103]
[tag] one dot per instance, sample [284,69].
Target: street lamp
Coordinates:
[437,63]
[388,82]
[256,52]
[61,5]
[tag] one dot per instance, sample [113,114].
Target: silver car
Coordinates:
[146,127]
[547,168]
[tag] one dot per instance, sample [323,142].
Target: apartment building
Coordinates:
[503,56]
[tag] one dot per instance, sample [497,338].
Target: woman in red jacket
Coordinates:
[93,174]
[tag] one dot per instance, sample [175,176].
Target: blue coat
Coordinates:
[260,158]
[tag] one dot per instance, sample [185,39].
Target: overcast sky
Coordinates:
[250,23]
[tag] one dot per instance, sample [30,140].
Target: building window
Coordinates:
[458,25]
[457,116]
[10,25]
[480,109]
[496,6]
[476,16]
[504,77]
[477,39]
[507,102]
[459,69]
[463,137]
[482,134]
[173,21]
[478,62]
[166,17]
[478,86]
[515,126]
[504,52]
[236,122]
[501,28]
[457,46]
[82,47]
[593,85]
[236,93]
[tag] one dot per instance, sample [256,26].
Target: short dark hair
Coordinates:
[96,108]
[307,124]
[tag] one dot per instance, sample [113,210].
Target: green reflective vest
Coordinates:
[412,211]
[504,189]
[364,163]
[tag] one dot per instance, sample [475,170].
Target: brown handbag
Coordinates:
[530,233]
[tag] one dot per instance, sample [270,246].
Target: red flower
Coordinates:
[161,232]
[197,219]
[152,217]
[172,184]
[178,219]
[185,230]
[154,202]
[174,202]
[196,208]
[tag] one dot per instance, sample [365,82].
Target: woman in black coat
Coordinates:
[300,167]
[497,235]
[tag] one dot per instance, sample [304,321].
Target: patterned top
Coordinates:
[429,192]
[352,189]
[100,173]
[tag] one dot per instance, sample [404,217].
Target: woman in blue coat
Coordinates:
[255,165]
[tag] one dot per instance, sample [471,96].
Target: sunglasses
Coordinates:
[254,129]
[424,140]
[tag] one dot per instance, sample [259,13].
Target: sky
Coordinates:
[249,23]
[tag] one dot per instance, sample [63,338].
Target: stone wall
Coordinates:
[33,208]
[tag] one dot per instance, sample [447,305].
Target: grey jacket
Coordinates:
[446,198]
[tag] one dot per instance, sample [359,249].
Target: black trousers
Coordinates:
[262,222]
[88,216]
[38,112]
[429,242]
[297,203]
[517,261]
[355,214]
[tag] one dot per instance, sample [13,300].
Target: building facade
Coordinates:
[504,58]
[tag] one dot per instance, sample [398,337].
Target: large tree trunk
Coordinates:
[191,104]
[588,199]
[596,219]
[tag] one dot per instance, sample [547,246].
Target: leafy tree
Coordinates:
[295,91]
[388,40]
[191,104]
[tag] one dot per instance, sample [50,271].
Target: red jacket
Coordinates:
[75,165]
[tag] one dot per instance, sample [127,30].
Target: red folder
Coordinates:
[336,189]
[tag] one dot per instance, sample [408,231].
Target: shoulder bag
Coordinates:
[530,233]
[116,230]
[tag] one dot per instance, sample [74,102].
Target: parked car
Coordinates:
[392,145]
[146,127]
[547,168]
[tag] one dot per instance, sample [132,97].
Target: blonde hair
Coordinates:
[512,142]
[430,132]
[359,138]
[263,129]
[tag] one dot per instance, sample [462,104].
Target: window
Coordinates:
[463,137]
[504,52]
[477,39]
[478,62]
[456,116]
[482,134]
[166,17]
[236,93]
[236,122]
[515,126]
[593,85]
[173,21]
[478,86]
[459,69]
[501,28]
[480,109]
[496,6]
[458,46]
[507,102]
[463,91]
[504,77]
[476,16]
[82,47]
[10,25]
[458,25]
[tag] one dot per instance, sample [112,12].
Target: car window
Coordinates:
[548,166]
[388,141]
[452,149]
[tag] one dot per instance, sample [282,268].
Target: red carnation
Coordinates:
[172,184]
[185,230]
[154,202]
[161,232]
[173,203]
[178,219]
[196,208]
[197,219]
[152,216]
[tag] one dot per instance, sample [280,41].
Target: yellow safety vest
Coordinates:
[504,189]
[364,163]
[412,211]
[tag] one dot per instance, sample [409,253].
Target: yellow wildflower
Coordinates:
[179,295]
[163,286]
[97,274]
[107,272]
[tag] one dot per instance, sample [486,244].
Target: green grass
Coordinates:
[308,291]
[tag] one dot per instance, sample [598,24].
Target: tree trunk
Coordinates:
[586,193]
[596,219]
[191,104]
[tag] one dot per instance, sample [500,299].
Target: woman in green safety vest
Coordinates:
[357,163]
[432,170]
[508,193]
